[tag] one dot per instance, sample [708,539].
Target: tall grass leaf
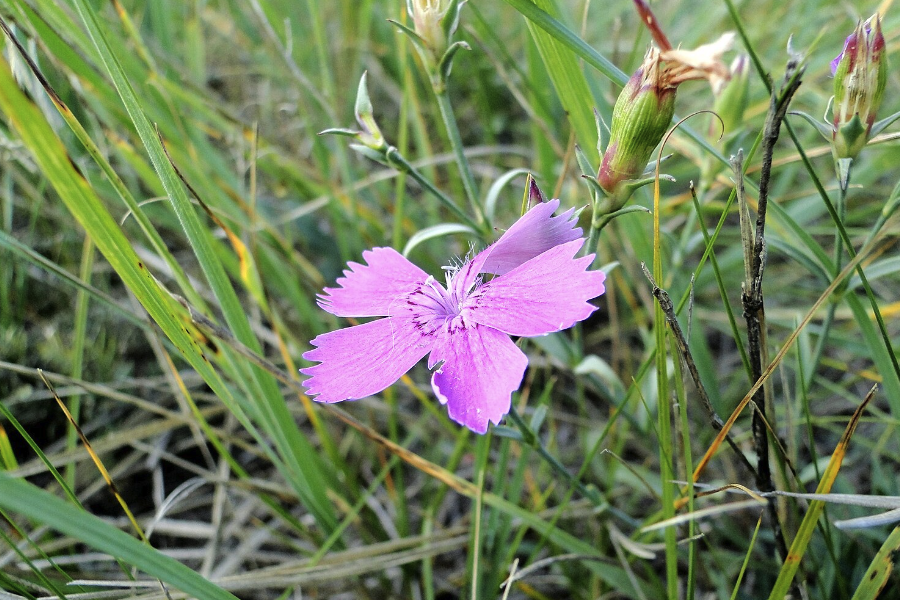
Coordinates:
[8,460]
[536,13]
[569,81]
[876,577]
[121,189]
[29,501]
[878,352]
[82,202]
[304,468]
[808,525]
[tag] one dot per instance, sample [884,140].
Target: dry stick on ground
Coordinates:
[752,295]
[715,420]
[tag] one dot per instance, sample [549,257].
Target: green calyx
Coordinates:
[641,117]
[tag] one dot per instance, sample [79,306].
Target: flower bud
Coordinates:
[434,21]
[644,109]
[641,116]
[371,134]
[731,100]
[860,75]
[370,140]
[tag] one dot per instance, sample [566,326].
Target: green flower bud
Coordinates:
[435,22]
[641,116]
[370,140]
[860,76]
[644,109]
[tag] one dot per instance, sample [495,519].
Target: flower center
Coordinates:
[434,305]
[435,300]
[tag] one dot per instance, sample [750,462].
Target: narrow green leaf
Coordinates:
[568,79]
[536,13]
[808,525]
[21,497]
[879,571]
[434,231]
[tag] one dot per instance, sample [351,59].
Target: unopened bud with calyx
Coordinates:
[434,23]
[644,110]
[860,76]
[370,141]
[641,116]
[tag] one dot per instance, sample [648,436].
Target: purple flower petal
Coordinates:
[482,368]
[851,40]
[836,62]
[359,361]
[369,290]
[536,232]
[548,293]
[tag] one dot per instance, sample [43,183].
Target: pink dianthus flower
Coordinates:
[538,287]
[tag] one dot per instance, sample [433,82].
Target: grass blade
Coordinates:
[25,499]
[878,573]
[303,467]
[569,81]
[808,525]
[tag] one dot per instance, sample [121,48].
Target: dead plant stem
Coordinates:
[752,293]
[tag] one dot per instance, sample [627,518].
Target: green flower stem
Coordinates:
[842,214]
[841,208]
[597,225]
[439,85]
[400,163]
[531,439]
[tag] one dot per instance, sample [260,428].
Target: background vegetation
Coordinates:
[165,318]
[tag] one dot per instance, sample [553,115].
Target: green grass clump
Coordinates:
[168,213]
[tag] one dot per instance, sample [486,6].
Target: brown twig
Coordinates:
[752,294]
[669,311]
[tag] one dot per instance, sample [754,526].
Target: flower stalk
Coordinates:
[371,143]
[462,163]
[434,25]
[530,439]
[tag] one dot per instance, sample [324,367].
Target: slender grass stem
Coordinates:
[81,323]
[665,304]
[465,171]
[827,323]
[664,411]
[402,142]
